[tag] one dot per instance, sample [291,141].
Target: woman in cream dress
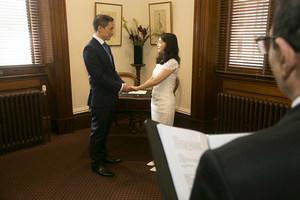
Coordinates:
[163,81]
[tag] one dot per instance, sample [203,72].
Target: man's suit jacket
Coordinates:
[262,166]
[104,81]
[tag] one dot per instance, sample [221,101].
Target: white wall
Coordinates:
[80,14]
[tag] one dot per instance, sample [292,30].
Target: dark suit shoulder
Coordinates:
[210,183]
[93,43]
[262,159]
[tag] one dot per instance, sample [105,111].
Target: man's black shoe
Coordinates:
[103,171]
[112,160]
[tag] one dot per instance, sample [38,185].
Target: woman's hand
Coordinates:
[135,88]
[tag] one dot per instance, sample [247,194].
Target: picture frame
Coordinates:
[116,12]
[160,19]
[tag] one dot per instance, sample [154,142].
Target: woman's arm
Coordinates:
[154,81]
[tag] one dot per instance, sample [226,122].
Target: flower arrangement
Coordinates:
[138,35]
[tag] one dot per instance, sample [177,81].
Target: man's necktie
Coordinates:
[107,49]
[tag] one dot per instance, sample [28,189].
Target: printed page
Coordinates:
[183,149]
[218,140]
[138,92]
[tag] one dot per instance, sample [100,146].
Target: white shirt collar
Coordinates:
[98,39]
[296,102]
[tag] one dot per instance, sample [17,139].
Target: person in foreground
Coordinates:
[163,81]
[105,84]
[264,165]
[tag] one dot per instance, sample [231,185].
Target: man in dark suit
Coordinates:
[266,164]
[105,84]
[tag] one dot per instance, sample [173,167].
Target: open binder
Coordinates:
[177,152]
[163,173]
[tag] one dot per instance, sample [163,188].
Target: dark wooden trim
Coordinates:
[60,107]
[22,77]
[62,125]
[245,77]
[22,72]
[186,121]
[82,121]
[203,107]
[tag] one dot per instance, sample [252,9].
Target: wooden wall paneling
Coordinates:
[61,110]
[203,104]
[12,85]
[22,71]
[263,87]
[254,89]
[209,77]
[82,120]
[22,77]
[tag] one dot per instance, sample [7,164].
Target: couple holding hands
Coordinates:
[105,84]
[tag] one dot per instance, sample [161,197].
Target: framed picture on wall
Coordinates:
[115,11]
[160,20]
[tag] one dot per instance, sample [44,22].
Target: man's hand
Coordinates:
[127,88]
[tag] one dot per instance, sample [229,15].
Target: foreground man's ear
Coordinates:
[288,57]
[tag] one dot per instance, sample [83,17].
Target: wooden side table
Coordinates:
[138,72]
[137,107]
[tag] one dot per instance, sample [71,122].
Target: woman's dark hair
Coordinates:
[286,22]
[171,50]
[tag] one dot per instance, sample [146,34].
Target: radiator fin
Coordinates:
[245,114]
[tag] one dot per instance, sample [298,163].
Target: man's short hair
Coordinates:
[101,20]
[286,22]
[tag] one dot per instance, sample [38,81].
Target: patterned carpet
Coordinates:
[60,170]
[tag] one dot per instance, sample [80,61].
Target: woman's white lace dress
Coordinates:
[163,98]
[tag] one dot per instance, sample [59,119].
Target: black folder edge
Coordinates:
[163,171]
